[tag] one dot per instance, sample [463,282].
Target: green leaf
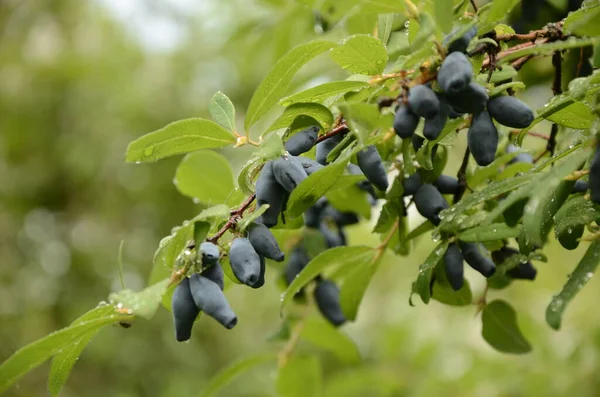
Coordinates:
[313,188]
[580,276]
[423,283]
[200,231]
[495,189]
[63,362]
[222,110]
[385,24]
[300,377]
[578,115]
[356,284]
[315,110]
[499,89]
[179,137]
[228,374]
[250,217]
[499,10]
[324,335]
[500,328]
[270,148]
[583,22]
[350,199]
[444,14]
[168,249]
[481,174]
[361,54]
[276,83]
[34,354]
[549,193]
[248,172]
[205,176]
[334,257]
[143,303]
[576,211]
[323,91]
[383,6]
[443,292]
[495,231]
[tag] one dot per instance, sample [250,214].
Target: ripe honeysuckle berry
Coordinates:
[474,254]
[209,253]
[523,271]
[482,139]
[434,126]
[215,274]
[209,298]
[327,297]
[462,43]
[580,186]
[430,202]
[298,259]
[288,172]
[519,158]
[326,146]
[446,184]
[405,122]
[510,111]
[184,310]
[412,184]
[472,99]
[309,165]
[333,238]
[453,265]
[264,242]
[245,262]
[370,163]
[303,141]
[269,191]
[423,101]
[455,74]
[338,217]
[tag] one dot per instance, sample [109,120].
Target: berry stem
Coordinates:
[462,177]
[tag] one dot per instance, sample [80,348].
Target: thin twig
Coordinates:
[556,89]
[340,129]
[233,219]
[462,177]
[474,6]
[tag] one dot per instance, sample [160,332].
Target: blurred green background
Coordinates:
[79,79]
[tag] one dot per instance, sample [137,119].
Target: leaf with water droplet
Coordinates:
[580,276]
[361,54]
[423,283]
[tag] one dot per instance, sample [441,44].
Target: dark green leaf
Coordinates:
[334,257]
[34,354]
[228,374]
[205,176]
[63,362]
[443,292]
[356,284]
[549,193]
[313,188]
[324,335]
[494,231]
[315,110]
[577,115]
[276,83]
[583,22]
[323,91]
[361,54]
[179,137]
[222,110]
[143,303]
[500,328]
[423,283]
[574,212]
[580,276]
[500,9]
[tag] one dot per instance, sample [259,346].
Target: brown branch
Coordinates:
[518,64]
[233,219]
[531,133]
[340,129]
[462,178]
